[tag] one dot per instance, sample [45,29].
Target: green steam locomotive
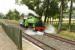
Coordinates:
[34,22]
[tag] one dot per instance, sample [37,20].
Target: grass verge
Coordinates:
[67,35]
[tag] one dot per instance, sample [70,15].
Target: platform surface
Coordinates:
[5,42]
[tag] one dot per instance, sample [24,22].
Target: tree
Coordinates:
[31,3]
[63,8]
[34,5]
[61,16]
[13,15]
[46,7]
[51,8]
[70,15]
[8,15]
[2,15]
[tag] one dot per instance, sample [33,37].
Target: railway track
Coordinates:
[43,45]
[38,43]
[60,38]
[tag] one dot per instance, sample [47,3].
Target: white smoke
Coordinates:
[31,32]
[50,29]
[6,5]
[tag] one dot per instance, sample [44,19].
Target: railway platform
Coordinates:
[5,42]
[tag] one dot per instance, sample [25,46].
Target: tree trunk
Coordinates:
[60,18]
[46,15]
[70,15]
[45,19]
[50,20]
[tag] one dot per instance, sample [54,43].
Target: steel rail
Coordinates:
[37,42]
[60,38]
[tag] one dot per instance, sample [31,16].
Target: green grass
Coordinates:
[66,26]
[67,35]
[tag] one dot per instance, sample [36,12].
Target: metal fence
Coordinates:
[14,33]
[65,24]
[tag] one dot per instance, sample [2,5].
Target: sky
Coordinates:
[6,5]
[69,4]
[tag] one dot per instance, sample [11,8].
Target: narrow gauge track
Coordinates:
[37,42]
[43,45]
[60,38]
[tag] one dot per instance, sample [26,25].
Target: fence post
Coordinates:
[20,40]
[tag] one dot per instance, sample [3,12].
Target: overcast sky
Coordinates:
[6,5]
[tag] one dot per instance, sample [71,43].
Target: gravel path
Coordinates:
[5,42]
